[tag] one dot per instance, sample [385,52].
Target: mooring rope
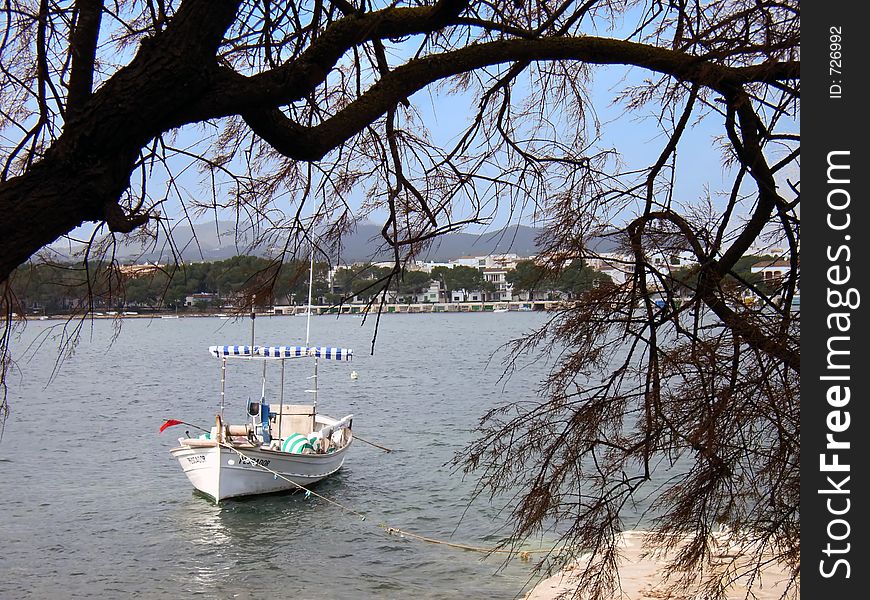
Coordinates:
[523,554]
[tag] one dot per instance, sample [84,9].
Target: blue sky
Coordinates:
[638,140]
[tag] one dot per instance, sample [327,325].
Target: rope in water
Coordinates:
[523,554]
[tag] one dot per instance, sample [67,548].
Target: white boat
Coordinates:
[282,447]
[500,308]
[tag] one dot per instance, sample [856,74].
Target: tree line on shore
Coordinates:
[245,280]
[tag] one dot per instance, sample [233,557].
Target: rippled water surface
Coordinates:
[94,506]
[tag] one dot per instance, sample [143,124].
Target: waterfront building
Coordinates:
[490,261]
[200,299]
[503,291]
[772,271]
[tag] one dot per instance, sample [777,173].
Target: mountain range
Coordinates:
[218,241]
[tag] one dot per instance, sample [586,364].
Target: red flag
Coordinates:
[170,423]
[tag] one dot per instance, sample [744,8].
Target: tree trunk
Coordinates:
[54,197]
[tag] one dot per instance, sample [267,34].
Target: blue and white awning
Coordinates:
[232,351]
[297,351]
[282,352]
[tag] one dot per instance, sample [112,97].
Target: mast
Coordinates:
[253,316]
[310,294]
[308,322]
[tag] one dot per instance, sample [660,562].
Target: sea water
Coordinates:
[93,506]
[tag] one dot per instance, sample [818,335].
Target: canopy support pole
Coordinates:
[281,399]
[263,389]
[315,383]
[223,382]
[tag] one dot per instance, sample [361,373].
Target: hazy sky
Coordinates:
[639,141]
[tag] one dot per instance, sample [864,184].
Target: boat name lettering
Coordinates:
[263,462]
[199,458]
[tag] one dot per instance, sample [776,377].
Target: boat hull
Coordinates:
[221,472]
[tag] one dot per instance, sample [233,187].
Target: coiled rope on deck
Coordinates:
[523,554]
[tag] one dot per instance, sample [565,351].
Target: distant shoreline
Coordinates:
[347,309]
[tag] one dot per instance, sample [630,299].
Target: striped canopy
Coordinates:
[282,352]
[295,351]
[232,351]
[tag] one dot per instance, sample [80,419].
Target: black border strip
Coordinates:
[834,245]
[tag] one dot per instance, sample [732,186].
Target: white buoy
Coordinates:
[354,375]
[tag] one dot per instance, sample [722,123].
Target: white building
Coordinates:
[620,267]
[672,261]
[427,266]
[490,261]
[466,296]
[200,298]
[498,278]
[436,293]
[772,271]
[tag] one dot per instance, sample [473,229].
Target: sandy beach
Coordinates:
[642,579]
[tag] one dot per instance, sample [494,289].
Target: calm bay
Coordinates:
[94,506]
